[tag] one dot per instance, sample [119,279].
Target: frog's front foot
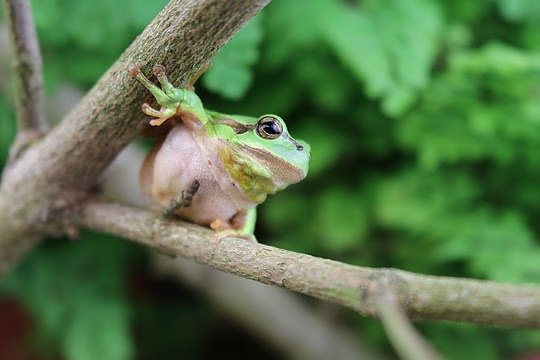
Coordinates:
[169,97]
[160,116]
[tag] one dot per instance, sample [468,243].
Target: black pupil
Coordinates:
[270,128]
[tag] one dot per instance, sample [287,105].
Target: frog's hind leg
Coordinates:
[244,221]
[189,193]
[241,225]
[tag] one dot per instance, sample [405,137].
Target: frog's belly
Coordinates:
[178,163]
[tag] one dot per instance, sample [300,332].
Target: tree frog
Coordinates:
[214,169]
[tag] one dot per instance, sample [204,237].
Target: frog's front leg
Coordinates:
[185,199]
[241,225]
[170,98]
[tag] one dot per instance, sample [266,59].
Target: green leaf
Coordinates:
[390,46]
[497,245]
[80,39]
[520,10]
[483,239]
[487,100]
[418,200]
[99,332]
[231,74]
[327,145]
[76,292]
[292,27]
[284,211]
[465,10]
[340,219]
[462,341]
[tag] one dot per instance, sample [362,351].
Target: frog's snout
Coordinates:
[304,155]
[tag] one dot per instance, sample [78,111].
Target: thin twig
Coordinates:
[29,97]
[407,342]
[425,297]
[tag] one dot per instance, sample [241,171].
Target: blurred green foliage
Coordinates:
[78,295]
[424,122]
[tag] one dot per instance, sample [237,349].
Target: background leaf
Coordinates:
[230,74]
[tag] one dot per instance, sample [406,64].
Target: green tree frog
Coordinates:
[213,169]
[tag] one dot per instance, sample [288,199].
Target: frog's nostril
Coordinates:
[299,146]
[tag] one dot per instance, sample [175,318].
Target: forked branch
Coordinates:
[42,192]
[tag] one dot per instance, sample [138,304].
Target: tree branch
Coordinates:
[407,342]
[423,297]
[29,78]
[42,191]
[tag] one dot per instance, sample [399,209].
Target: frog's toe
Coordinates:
[219,225]
[134,70]
[148,110]
[158,122]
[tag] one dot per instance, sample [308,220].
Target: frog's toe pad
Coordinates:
[157,122]
[159,70]
[219,225]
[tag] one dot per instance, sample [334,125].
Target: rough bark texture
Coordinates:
[42,192]
[28,67]
[421,296]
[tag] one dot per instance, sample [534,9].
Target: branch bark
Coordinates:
[407,342]
[42,192]
[28,69]
[423,297]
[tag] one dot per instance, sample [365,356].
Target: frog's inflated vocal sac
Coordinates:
[212,168]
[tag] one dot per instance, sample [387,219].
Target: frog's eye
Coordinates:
[269,127]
